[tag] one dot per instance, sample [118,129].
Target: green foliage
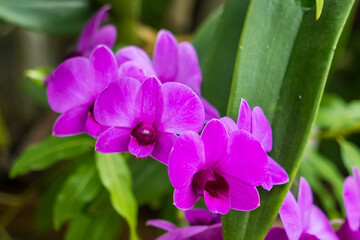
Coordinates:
[103,227]
[79,189]
[319,8]
[49,16]
[219,64]
[115,176]
[317,169]
[277,68]
[4,135]
[42,155]
[350,155]
[151,181]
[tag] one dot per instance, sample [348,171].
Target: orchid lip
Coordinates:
[209,181]
[144,133]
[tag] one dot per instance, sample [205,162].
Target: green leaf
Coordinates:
[319,8]
[37,75]
[43,155]
[94,228]
[50,16]
[79,189]
[219,65]
[204,35]
[332,109]
[350,154]
[151,181]
[316,169]
[116,177]
[282,65]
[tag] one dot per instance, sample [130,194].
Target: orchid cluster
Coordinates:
[153,107]
[131,103]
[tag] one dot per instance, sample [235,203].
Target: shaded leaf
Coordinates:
[350,155]
[219,65]
[116,177]
[282,65]
[151,181]
[42,155]
[79,189]
[94,228]
[50,16]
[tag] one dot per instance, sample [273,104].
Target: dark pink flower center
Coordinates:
[209,181]
[144,133]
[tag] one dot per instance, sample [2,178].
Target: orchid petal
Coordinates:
[244,118]
[261,128]
[105,67]
[277,173]
[186,159]
[320,226]
[71,122]
[182,109]
[352,202]
[163,146]
[290,217]
[165,225]
[276,233]
[106,36]
[132,69]
[199,216]
[305,202]
[71,85]
[185,198]
[147,100]
[219,203]
[115,106]
[134,54]
[93,128]
[215,139]
[243,197]
[115,139]
[189,72]
[165,57]
[91,27]
[210,111]
[138,150]
[229,124]
[246,159]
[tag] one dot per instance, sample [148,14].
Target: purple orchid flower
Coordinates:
[73,88]
[223,168]
[172,62]
[203,225]
[351,228]
[93,34]
[302,220]
[144,117]
[256,123]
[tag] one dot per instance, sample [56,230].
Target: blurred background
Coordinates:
[25,117]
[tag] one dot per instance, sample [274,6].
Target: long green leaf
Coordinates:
[79,189]
[50,16]
[116,177]
[282,65]
[48,152]
[220,60]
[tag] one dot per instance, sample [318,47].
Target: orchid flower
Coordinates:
[144,117]
[93,34]
[223,168]
[73,88]
[351,228]
[203,225]
[302,220]
[172,62]
[256,123]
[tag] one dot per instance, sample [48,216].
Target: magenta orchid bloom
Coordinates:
[144,117]
[93,34]
[256,123]
[73,88]
[203,225]
[223,168]
[172,62]
[302,220]
[351,227]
